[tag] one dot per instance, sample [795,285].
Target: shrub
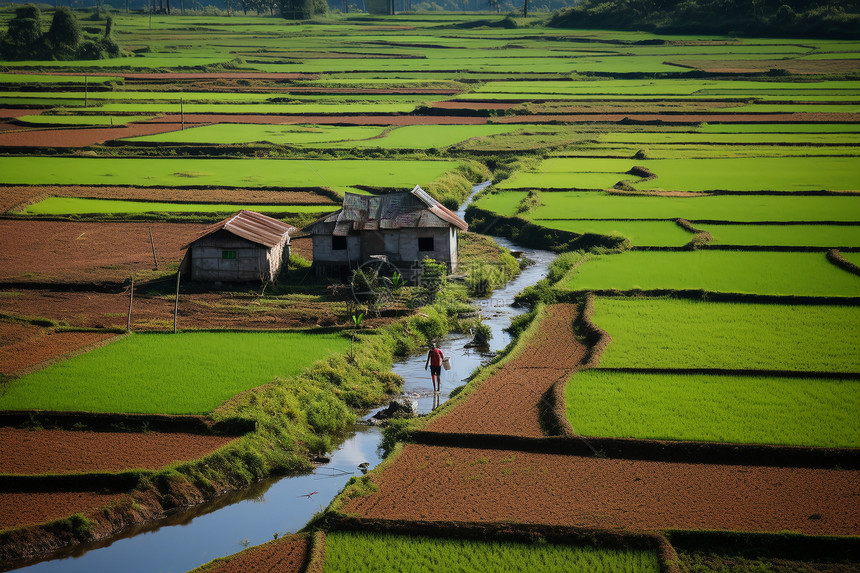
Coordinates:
[64,35]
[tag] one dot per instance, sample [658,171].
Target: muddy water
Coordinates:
[284,505]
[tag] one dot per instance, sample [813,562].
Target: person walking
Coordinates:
[434,361]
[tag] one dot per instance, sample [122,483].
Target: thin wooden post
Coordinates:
[152,242]
[86,91]
[130,301]
[182,113]
[176,303]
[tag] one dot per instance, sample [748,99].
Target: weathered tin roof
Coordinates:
[391,211]
[253,226]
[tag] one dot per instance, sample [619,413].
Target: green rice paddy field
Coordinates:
[356,551]
[741,174]
[222,172]
[662,333]
[738,409]
[760,273]
[184,373]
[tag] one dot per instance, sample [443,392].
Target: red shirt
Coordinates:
[435,357]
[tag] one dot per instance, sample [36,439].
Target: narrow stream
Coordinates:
[284,505]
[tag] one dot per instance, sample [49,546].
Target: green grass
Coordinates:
[324,136]
[222,172]
[730,208]
[764,273]
[735,409]
[640,233]
[353,551]
[852,257]
[721,174]
[825,236]
[671,334]
[78,206]
[730,138]
[185,373]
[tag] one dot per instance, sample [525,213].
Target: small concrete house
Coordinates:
[402,228]
[248,246]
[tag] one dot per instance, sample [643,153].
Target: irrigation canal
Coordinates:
[280,506]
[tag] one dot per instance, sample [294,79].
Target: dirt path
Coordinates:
[508,402]
[441,483]
[59,451]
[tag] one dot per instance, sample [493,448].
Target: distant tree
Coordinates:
[297,9]
[64,35]
[25,29]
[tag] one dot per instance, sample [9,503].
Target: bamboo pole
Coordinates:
[152,242]
[176,302]
[130,302]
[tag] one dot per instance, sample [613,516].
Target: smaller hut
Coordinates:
[246,247]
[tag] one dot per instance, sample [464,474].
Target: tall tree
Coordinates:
[64,35]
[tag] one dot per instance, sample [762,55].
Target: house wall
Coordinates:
[400,246]
[253,262]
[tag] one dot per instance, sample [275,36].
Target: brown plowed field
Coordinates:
[508,402]
[242,310]
[27,508]
[330,119]
[63,251]
[61,451]
[83,137]
[12,112]
[800,117]
[18,196]
[24,346]
[462,484]
[287,555]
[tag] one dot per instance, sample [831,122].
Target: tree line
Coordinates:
[773,18]
[25,38]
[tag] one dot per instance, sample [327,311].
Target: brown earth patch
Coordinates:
[60,251]
[154,312]
[511,400]
[24,346]
[19,196]
[287,555]
[60,451]
[464,484]
[13,112]
[799,117]
[330,119]
[474,105]
[27,508]
[83,137]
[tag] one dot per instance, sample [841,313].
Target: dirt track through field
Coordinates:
[508,402]
[58,451]
[463,484]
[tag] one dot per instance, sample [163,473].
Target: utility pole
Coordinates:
[152,242]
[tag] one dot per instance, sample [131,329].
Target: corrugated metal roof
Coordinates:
[253,226]
[391,211]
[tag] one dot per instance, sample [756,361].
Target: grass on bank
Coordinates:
[734,409]
[184,373]
[760,273]
[355,551]
[670,334]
